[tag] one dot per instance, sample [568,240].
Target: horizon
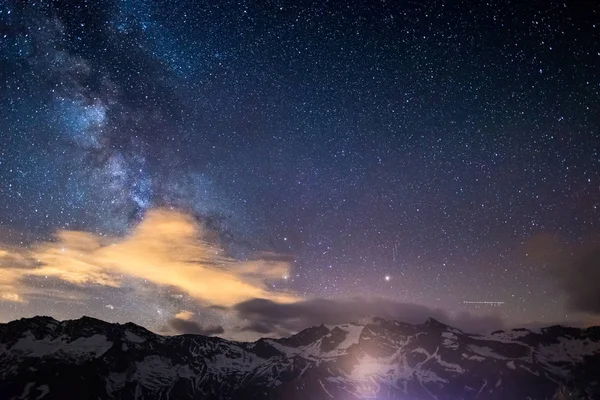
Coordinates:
[247,170]
[371,321]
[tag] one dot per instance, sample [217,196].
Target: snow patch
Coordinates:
[450,340]
[132,337]
[435,356]
[449,366]
[156,372]
[485,352]
[115,381]
[568,350]
[474,358]
[246,363]
[530,371]
[93,346]
[325,390]
[352,335]
[44,389]
[313,350]
[392,370]
[508,337]
[26,390]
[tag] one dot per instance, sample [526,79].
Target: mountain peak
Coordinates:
[306,336]
[434,323]
[88,319]
[337,362]
[38,319]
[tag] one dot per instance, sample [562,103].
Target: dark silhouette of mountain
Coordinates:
[41,358]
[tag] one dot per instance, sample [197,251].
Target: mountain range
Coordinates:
[42,358]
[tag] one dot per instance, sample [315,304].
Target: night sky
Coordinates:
[234,168]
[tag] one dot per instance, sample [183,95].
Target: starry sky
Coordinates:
[249,168]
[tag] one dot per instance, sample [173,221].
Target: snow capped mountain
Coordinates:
[41,358]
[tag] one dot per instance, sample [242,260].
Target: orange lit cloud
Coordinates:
[185,315]
[14,297]
[10,275]
[167,248]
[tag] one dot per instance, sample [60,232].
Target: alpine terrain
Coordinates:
[42,358]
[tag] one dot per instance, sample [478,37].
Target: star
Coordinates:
[412,148]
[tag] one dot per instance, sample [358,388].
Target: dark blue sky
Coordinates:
[451,147]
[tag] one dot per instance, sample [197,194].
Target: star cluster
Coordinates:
[440,153]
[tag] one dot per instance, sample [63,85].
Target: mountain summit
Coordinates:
[41,358]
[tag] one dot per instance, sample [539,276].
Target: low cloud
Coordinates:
[575,267]
[173,262]
[264,316]
[580,281]
[184,315]
[168,249]
[11,270]
[7,289]
[12,297]
[181,326]
[544,248]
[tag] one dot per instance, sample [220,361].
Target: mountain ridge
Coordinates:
[91,358]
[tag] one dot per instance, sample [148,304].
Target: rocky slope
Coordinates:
[41,358]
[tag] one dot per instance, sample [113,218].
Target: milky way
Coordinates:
[435,154]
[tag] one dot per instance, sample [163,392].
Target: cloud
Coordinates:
[180,326]
[544,248]
[184,315]
[12,297]
[167,249]
[173,262]
[7,289]
[263,328]
[269,317]
[576,269]
[580,281]
[11,265]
